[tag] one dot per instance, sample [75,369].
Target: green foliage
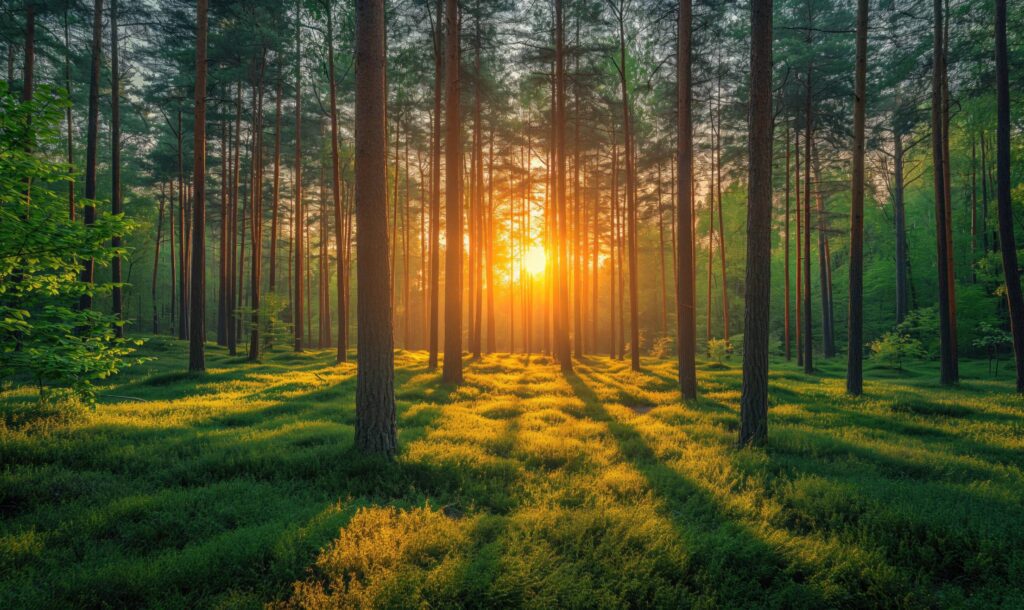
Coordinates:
[44,335]
[273,330]
[922,325]
[719,350]
[892,348]
[991,340]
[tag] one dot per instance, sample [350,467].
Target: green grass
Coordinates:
[522,488]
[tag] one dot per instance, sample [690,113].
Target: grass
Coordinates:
[521,488]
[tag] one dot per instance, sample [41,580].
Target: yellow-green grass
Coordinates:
[521,488]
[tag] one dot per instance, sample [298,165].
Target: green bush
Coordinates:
[45,336]
[892,348]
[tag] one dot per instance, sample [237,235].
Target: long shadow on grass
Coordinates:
[711,535]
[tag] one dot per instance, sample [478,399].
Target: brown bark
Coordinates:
[156,260]
[855,349]
[299,225]
[947,351]
[276,204]
[1007,243]
[754,398]
[452,369]
[375,391]
[339,237]
[686,310]
[115,165]
[435,195]
[197,314]
[89,212]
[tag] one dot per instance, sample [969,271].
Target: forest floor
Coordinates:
[522,487]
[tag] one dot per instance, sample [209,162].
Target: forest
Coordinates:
[499,304]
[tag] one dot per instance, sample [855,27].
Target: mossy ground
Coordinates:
[522,488]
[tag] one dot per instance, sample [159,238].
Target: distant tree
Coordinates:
[89,209]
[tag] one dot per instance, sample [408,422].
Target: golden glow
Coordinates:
[535,260]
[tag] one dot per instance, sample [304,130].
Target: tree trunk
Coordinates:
[275,205]
[115,165]
[1007,244]
[375,391]
[89,211]
[67,112]
[452,370]
[256,215]
[808,138]
[947,353]
[197,315]
[785,249]
[855,349]
[299,226]
[435,195]
[686,311]
[156,261]
[183,255]
[799,251]
[631,211]
[754,398]
[342,355]
[899,211]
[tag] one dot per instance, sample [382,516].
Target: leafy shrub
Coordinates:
[45,337]
[991,340]
[719,350]
[892,348]
[664,347]
[922,325]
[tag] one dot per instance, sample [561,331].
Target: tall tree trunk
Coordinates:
[799,251]
[489,246]
[183,255]
[899,211]
[156,260]
[197,314]
[375,379]
[170,240]
[754,398]
[115,167]
[947,352]
[222,330]
[452,369]
[67,112]
[721,217]
[256,213]
[276,204]
[89,211]
[785,248]
[808,138]
[435,194]
[342,355]
[1007,243]
[686,310]
[299,227]
[631,206]
[824,265]
[855,349]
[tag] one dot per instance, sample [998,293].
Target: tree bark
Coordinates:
[89,211]
[754,398]
[1007,243]
[947,354]
[342,355]
[855,349]
[115,166]
[375,392]
[452,368]
[299,225]
[197,314]
[686,311]
[435,194]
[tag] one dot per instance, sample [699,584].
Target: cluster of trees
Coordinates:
[599,162]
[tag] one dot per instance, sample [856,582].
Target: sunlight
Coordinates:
[535,260]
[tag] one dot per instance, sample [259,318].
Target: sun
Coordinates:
[535,260]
